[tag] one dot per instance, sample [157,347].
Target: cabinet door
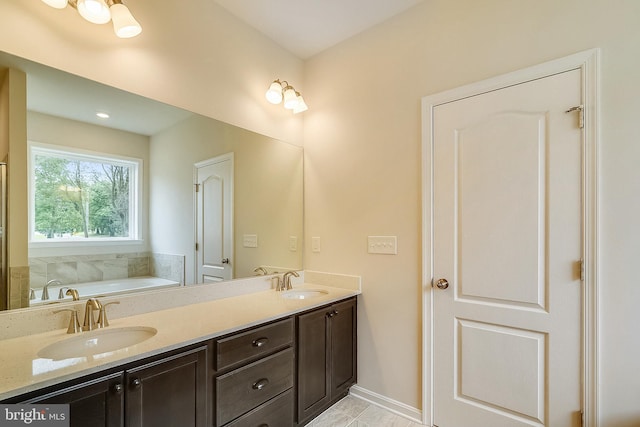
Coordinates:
[343,347]
[171,392]
[313,362]
[95,403]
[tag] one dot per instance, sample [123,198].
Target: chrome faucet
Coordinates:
[89,320]
[286,279]
[45,290]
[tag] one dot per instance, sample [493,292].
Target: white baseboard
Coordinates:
[390,405]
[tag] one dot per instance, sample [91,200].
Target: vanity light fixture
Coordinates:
[279,90]
[102,11]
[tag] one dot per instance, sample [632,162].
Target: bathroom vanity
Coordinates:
[281,371]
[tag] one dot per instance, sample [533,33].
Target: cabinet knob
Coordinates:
[117,388]
[260,384]
[332,313]
[259,342]
[135,383]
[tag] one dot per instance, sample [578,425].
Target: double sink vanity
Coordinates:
[254,358]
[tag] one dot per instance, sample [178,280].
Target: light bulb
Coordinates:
[124,24]
[301,107]
[274,93]
[58,4]
[290,98]
[95,11]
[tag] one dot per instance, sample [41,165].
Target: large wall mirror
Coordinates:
[215,201]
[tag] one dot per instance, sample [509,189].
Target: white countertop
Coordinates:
[22,371]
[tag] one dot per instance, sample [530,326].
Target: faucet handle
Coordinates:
[103,322]
[61,292]
[278,283]
[74,324]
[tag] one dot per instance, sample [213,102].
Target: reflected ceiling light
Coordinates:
[102,115]
[94,11]
[282,90]
[103,11]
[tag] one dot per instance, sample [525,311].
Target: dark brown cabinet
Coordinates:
[98,402]
[326,362]
[171,391]
[255,375]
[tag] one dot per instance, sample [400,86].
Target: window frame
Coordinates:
[74,153]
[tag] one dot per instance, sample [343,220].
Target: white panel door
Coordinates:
[508,241]
[214,214]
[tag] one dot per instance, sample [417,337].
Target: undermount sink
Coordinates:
[303,293]
[97,342]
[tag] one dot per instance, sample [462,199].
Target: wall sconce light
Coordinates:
[102,11]
[279,90]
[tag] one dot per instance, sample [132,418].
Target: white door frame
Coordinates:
[588,63]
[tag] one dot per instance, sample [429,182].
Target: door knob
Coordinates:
[442,284]
[225,260]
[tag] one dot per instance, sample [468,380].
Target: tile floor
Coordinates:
[354,412]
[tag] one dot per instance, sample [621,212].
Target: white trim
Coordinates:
[384,402]
[588,63]
[136,200]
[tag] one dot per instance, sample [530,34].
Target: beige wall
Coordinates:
[45,129]
[191,54]
[363,150]
[362,144]
[267,192]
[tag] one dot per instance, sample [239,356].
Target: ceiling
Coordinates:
[307,27]
[61,94]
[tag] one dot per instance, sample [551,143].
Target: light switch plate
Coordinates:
[293,243]
[387,245]
[315,244]
[250,240]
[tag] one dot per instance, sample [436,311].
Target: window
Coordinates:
[77,196]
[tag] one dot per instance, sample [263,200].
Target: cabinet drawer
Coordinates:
[245,346]
[278,412]
[245,388]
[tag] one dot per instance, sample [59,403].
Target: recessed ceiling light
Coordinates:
[102,115]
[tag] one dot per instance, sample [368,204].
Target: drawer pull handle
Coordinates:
[259,342]
[260,384]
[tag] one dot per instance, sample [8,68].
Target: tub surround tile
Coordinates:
[90,271]
[65,271]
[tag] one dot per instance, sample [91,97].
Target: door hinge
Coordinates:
[580,110]
[197,246]
[581,418]
[197,187]
[582,270]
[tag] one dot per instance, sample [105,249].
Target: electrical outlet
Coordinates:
[387,245]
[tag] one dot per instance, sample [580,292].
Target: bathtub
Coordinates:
[104,288]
